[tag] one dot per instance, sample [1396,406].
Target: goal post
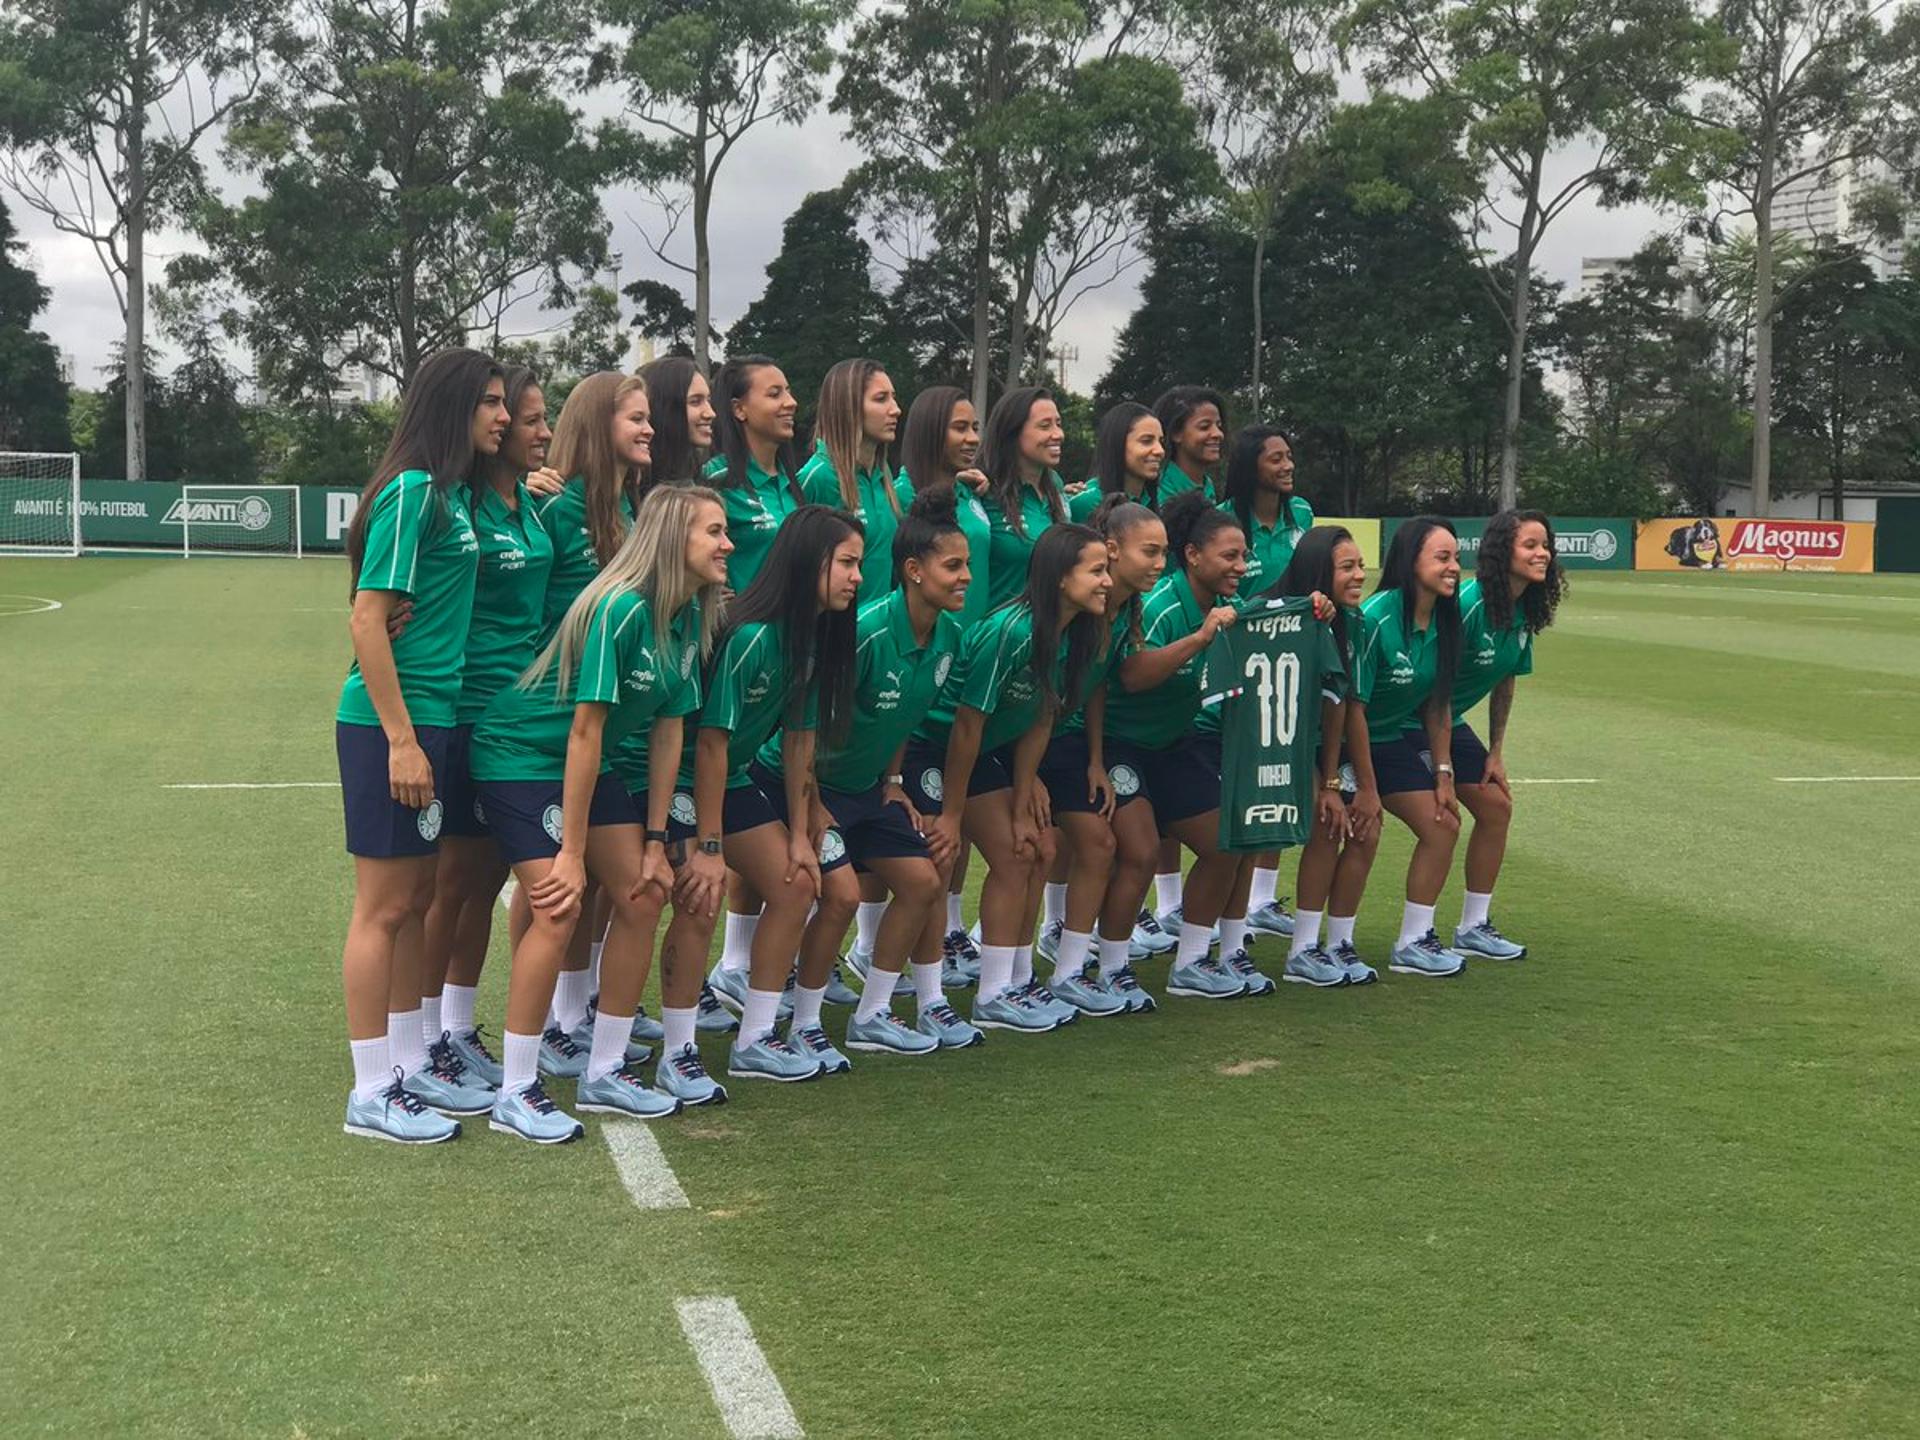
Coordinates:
[39,502]
[240,520]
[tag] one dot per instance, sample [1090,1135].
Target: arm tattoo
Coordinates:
[1498,704]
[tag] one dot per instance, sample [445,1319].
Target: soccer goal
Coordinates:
[240,520]
[39,503]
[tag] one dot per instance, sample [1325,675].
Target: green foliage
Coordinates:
[33,397]
[1577,480]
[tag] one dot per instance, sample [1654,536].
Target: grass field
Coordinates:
[1658,1179]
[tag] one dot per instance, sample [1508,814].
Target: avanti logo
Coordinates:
[1589,544]
[252,513]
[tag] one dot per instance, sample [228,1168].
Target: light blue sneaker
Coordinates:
[636,1053]
[770,1058]
[1039,997]
[1172,920]
[858,961]
[1149,938]
[711,1017]
[944,1024]
[397,1114]
[685,1078]
[838,991]
[1205,979]
[1009,1011]
[729,987]
[624,1092]
[1271,919]
[1427,956]
[1124,983]
[1250,975]
[1088,996]
[561,1056]
[1348,959]
[813,1042]
[1314,966]
[446,1085]
[961,952]
[478,1059]
[646,1029]
[1487,943]
[529,1114]
[885,1032]
[1048,945]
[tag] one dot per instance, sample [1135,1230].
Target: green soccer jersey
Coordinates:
[994,675]
[1175,481]
[419,543]
[1080,507]
[575,562]
[755,512]
[1158,717]
[1487,656]
[977,530]
[745,695]
[1395,664]
[895,684]
[1269,670]
[509,598]
[877,512]
[523,733]
[1269,548]
[1007,566]
[631,758]
[1106,669]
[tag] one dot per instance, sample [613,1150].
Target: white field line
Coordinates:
[1512,780]
[1846,779]
[37,605]
[752,1404]
[261,785]
[643,1167]
[1741,589]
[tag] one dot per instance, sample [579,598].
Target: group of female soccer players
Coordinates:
[652,658]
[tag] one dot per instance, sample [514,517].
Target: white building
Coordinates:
[359,384]
[1826,206]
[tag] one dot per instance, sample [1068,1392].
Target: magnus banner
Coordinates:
[1731,543]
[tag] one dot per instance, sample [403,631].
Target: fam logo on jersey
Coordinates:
[941,668]
[1271,814]
[832,848]
[932,784]
[550,822]
[681,810]
[429,820]
[251,513]
[1124,779]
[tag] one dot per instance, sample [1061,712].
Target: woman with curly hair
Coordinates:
[1512,598]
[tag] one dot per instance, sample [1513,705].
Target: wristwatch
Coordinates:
[899,780]
[1443,768]
[710,845]
[656,835]
[1332,782]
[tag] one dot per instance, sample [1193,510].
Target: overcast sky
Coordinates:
[762,182]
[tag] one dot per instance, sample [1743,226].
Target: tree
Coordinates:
[662,313]
[1180,327]
[33,397]
[1525,80]
[931,308]
[421,172]
[103,106]
[700,74]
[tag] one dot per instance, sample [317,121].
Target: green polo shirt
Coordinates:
[509,597]
[744,695]
[994,675]
[1007,564]
[523,734]
[1158,717]
[631,758]
[1175,481]
[1398,666]
[755,512]
[881,516]
[896,681]
[1270,548]
[1081,507]
[1487,656]
[564,517]
[420,543]
[1105,669]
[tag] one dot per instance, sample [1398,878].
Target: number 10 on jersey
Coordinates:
[1275,680]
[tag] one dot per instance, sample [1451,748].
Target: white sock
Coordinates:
[1415,921]
[1233,935]
[737,946]
[593,965]
[1166,891]
[756,1020]
[1265,883]
[1340,930]
[571,991]
[679,1027]
[1054,905]
[1113,956]
[1072,959]
[372,1072]
[996,971]
[926,986]
[955,920]
[456,1007]
[405,1046]
[878,994]
[430,1018]
[609,1053]
[806,1006]
[520,1059]
[866,924]
[1195,941]
[1306,931]
[1022,965]
[1473,911]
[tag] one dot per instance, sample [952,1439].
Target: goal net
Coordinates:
[240,519]
[39,503]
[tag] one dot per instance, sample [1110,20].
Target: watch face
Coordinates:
[709,847]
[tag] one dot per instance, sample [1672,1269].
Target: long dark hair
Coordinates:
[923,439]
[1055,554]
[1243,474]
[434,433]
[818,644]
[1541,597]
[1192,519]
[933,515]
[675,460]
[1174,408]
[1112,518]
[1000,456]
[519,379]
[1399,571]
[1311,569]
[730,436]
[1110,452]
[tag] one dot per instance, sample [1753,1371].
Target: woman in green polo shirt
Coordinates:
[411,541]
[756,469]
[1193,419]
[856,422]
[1020,455]
[1128,453]
[681,405]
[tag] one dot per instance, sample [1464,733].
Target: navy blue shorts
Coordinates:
[873,827]
[679,813]
[1063,770]
[1469,756]
[1181,781]
[1402,764]
[378,826]
[921,768]
[465,815]
[834,850]
[524,815]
